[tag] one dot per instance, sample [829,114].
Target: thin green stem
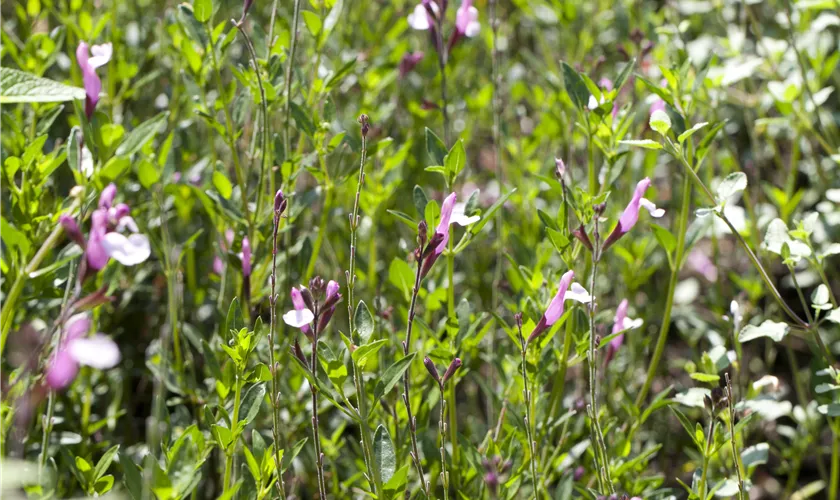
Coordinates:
[230,138]
[287,91]
[275,390]
[835,466]
[593,373]
[9,304]
[319,456]
[529,419]
[682,229]
[412,421]
[706,458]
[234,421]
[442,433]
[736,457]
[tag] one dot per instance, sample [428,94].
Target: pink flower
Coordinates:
[621,322]
[557,305]
[88,64]
[106,239]
[330,301]
[466,19]
[631,213]
[421,17]
[300,316]
[441,232]
[76,349]
[700,262]
[409,61]
[658,105]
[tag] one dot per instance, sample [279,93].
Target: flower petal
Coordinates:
[650,207]
[298,318]
[419,19]
[128,251]
[98,351]
[62,370]
[101,55]
[579,294]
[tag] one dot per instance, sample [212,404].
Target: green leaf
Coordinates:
[688,133]
[132,479]
[660,121]
[147,173]
[105,462]
[773,330]
[755,455]
[313,22]
[705,377]
[363,353]
[302,119]
[342,72]
[251,403]
[19,86]
[389,379]
[575,86]
[384,458]
[203,10]
[138,137]
[643,143]
[363,321]
[456,160]
[624,75]
[222,184]
[435,148]
[401,276]
[420,199]
[194,29]
[404,218]
[664,237]
[397,481]
[831,410]
[733,183]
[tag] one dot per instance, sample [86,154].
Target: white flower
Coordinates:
[101,55]
[298,318]
[594,103]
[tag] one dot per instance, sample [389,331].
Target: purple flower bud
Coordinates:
[106,199]
[432,369]
[559,168]
[409,61]
[72,229]
[453,366]
[279,203]
[95,253]
[306,295]
[298,352]
[245,6]
[579,472]
[218,266]
[246,256]
[580,234]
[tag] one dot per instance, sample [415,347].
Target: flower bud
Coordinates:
[364,120]
[432,369]
[72,229]
[559,168]
[280,203]
[306,295]
[453,366]
[580,234]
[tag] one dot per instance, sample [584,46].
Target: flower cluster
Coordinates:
[106,239]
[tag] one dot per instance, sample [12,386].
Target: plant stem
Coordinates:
[287,91]
[231,142]
[358,380]
[442,431]
[264,113]
[529,419]
[682,228]
[500,178]
[753,258]
[706,458]
[593,372]
[412,421]
[736,457]
[275,392]
[319,456]
[9,304]
[590,161]
[234,421]
[835,466]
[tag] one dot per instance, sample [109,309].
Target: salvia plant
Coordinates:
[424,249]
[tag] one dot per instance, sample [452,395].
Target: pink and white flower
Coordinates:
[88,63]
[76,348]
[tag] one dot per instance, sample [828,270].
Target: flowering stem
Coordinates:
[453,416]
[529,419]
[442,432]
[590,160]
[319,457]
[358,380]
[10,300]
[682,228]
[500,178]
[600,445]
[412,422]
[275,392]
